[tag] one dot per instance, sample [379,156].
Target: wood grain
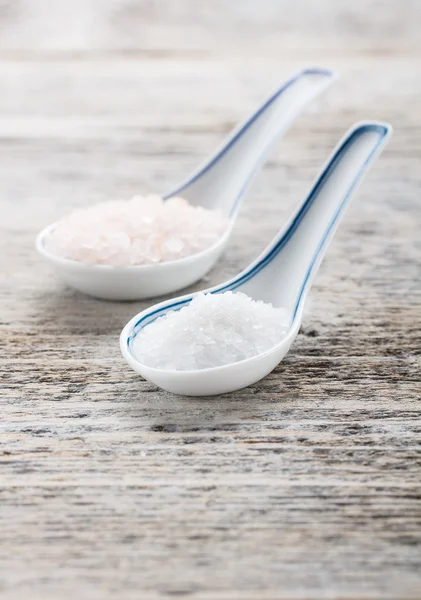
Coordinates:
[305,485]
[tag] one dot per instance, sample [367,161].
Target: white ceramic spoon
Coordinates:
[218,184]
[282,274]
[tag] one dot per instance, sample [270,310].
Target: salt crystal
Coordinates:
[174,244]
[143,230]
[213,330]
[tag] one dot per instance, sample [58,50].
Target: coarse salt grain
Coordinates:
[141,231]
[213,330]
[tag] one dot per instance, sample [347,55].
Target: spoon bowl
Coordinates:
[219,184]
[281,275]
[109,282]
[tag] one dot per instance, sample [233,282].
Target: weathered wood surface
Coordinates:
[305,485]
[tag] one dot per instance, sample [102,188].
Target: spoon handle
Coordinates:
[222,181]
[286,269]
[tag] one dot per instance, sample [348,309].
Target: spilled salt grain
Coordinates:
[213,330]
[141,231]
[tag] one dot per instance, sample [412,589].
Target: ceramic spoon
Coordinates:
[218,184]
[282,275]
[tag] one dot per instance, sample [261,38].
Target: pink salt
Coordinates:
[141,231]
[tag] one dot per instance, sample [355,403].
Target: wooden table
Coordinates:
[305,485]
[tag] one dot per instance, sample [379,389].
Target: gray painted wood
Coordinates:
[304,485]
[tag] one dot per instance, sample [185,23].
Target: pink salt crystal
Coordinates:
[143,230]
[174,244]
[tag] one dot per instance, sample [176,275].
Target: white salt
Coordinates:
[213,330]
[141,231]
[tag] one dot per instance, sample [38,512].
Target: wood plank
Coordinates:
[280,27]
